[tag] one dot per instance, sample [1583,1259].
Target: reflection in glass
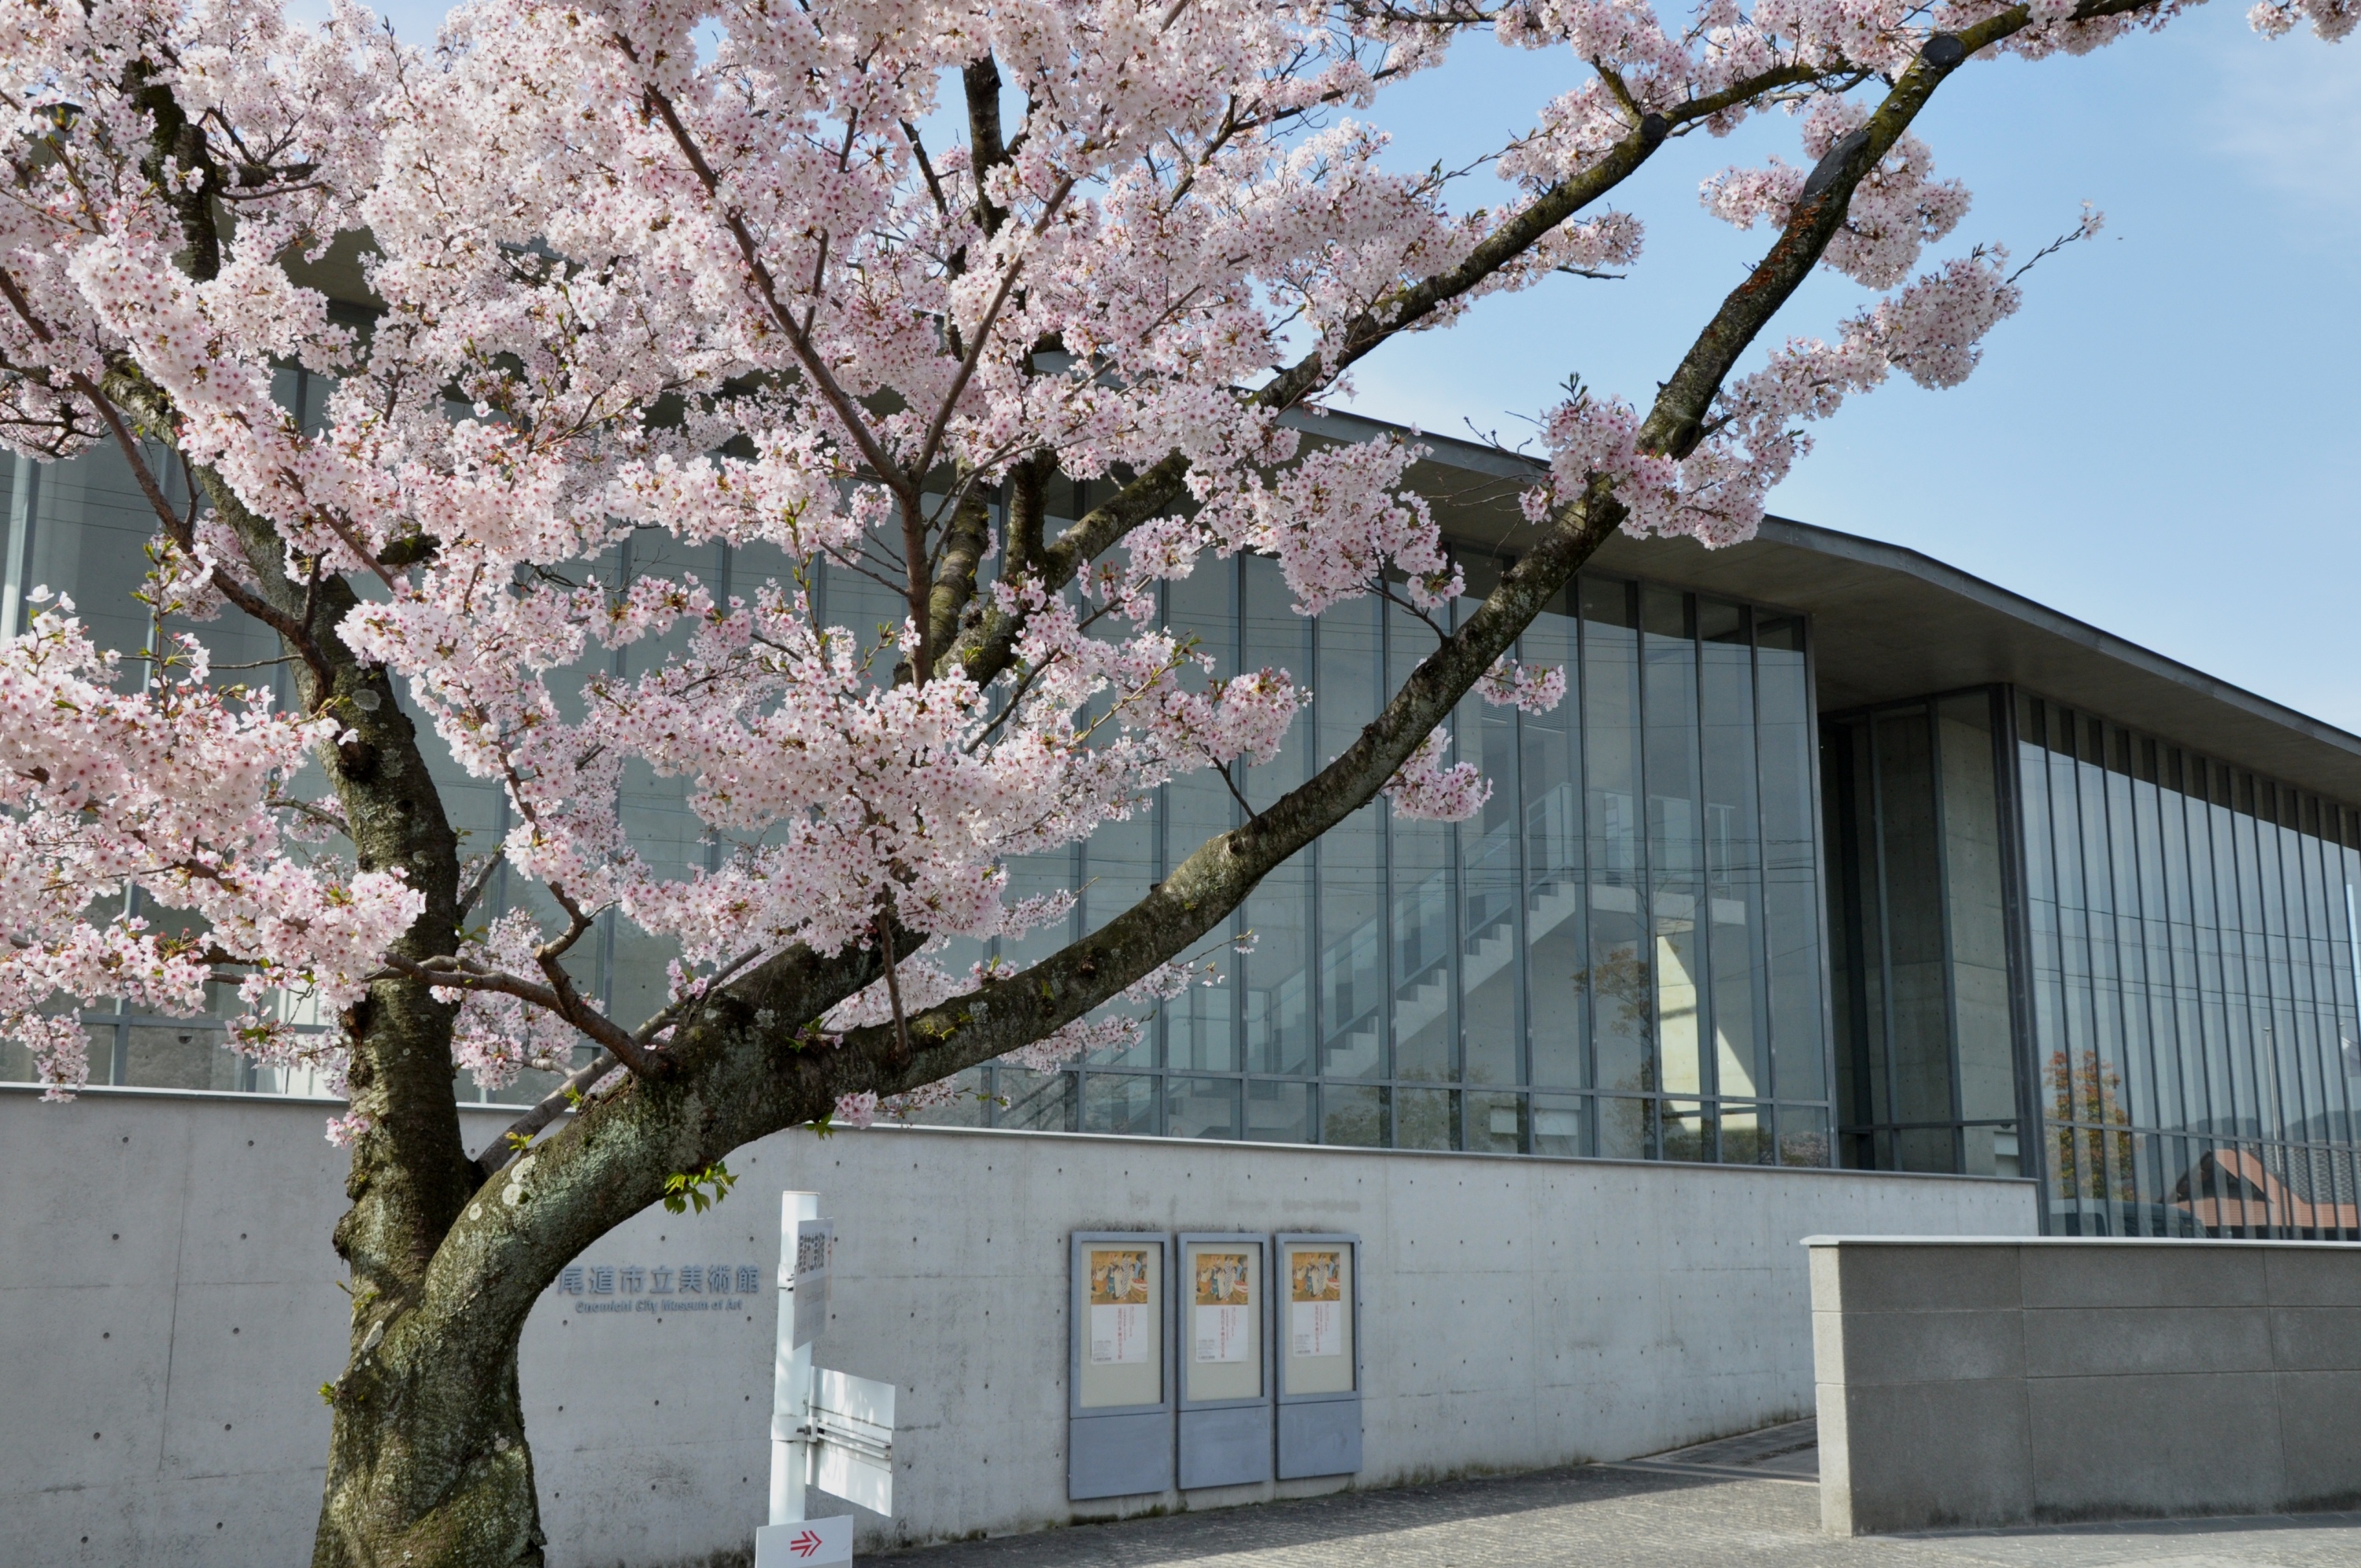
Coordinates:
[1675,861]
[1688,1131]
[1119,1102]
[1350,911]
[1745,1133]
[1278,994]
[1803,1135]
[1926,1060]
[1202,1107]
[2204,1085]
[1557,1123]
[1035,1102]
[1791,875]
[1551,798]
[1426,1119]
[1278,1112]
[1626,1127]
[1491,883]
[1496,1123]
[1733,852]
[1353,1116]
[1617,980]
[1424,924]
[180,1056]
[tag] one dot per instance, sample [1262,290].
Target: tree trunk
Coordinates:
[428,1466]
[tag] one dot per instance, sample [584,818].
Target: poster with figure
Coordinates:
[1119,1325]
[1224,1299]
[1316,1308]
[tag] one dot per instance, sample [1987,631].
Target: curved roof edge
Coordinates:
[1892,623]
[2055,622]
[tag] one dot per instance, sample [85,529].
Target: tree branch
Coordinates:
[986,649]
[848,412]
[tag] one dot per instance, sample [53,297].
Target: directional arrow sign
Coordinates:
[805,1541]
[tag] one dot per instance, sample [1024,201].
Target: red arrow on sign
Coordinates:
[805,1544]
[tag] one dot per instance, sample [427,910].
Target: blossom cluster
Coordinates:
[169,790]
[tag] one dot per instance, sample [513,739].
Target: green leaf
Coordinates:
[697,1189]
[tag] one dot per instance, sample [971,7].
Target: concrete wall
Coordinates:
[168,1308]
[1997,1382]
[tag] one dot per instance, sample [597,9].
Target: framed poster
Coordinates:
[1317,1315]
[1316,1322]
[1221,1287]
[1221,1292]
[1119,1411]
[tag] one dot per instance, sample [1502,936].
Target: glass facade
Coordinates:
[1619,957]
[1920,938]
[2041,918]
[80,528]
[2192,958]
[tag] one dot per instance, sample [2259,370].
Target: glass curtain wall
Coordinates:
[2194,950]
[1925,1050]
[1620,956]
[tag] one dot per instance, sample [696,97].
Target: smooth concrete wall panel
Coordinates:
[2317,1442]
[2127,1446]
[2006,1381]
[2138,1276]
[1955,1453]
[2315,1339]
[167,1311]
[169,1283]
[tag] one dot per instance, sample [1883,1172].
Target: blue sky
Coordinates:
[2161,442]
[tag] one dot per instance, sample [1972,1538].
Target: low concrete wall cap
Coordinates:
[2080,1241]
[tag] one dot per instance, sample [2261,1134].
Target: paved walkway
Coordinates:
[1749,1500]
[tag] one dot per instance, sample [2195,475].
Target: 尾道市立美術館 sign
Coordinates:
[725,1285]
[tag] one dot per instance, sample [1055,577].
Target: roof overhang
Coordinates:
[1891,624]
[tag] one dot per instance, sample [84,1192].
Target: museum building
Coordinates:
[1832,855]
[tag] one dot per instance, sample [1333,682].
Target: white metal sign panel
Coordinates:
[852,1425]
[805,1541]
[814,1243]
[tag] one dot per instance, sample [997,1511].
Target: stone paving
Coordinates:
[1748,1499]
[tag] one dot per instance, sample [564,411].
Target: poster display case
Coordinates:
[1120,1384]
[1316,1322]
[1221,1294]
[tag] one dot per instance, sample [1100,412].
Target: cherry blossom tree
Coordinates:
[706,269]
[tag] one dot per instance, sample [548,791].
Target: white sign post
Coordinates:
[790,1372]
[828,1429]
